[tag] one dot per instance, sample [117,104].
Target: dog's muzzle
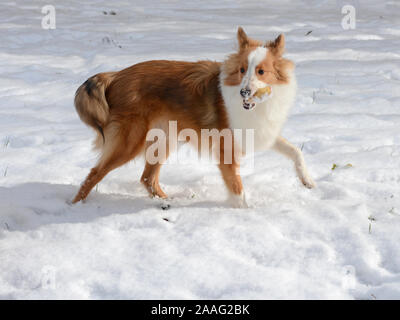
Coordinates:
[245,93]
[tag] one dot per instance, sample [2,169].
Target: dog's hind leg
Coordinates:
[118,150]
[150,179]
[151,173]
[292,152]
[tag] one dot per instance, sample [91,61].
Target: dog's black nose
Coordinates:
[245,93]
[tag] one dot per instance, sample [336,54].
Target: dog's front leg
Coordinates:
[231,176]
[230,170]
[292,152]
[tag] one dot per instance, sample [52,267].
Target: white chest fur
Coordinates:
[266,119]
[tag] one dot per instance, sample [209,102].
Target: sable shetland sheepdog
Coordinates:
[123,106]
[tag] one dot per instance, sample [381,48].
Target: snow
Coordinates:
[338,241]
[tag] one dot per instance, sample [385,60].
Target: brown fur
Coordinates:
[90,102]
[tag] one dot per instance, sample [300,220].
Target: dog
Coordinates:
[122,107]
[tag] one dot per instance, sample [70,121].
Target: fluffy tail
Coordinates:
[91,103]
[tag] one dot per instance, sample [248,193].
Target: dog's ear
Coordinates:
[243,40]
[277,46]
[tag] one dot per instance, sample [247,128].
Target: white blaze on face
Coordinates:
[250,80]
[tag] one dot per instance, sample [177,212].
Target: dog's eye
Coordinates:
[261,71]
[242,70]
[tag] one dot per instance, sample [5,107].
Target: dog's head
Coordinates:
[255,66]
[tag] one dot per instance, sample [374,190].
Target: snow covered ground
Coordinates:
[340,240]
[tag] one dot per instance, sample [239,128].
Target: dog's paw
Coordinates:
[308,182]
[238,201]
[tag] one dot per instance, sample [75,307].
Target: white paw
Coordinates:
[308,182]
[238,200]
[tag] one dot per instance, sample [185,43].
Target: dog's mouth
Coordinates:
[261,95]
[248,105]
